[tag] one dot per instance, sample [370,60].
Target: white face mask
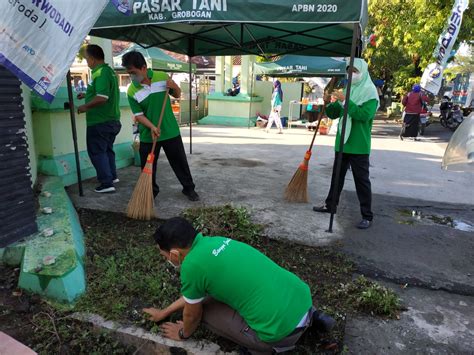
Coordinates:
[356,78]
[137,78]
[176,267]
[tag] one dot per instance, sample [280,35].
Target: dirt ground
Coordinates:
[126,273]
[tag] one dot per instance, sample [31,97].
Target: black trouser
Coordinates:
[360,170]
[100,143]
[174,150]
[411,123]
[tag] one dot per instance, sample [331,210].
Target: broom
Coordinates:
[297,189]
[142,203]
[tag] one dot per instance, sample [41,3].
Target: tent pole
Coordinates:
[190,106]
[74,132]
[338,161]
[190,56]
[251,94]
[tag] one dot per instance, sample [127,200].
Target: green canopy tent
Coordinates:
[302,66]
[156,59]
[240,27]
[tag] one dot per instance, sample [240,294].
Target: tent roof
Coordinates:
[302,66]
[233,27]
[156,59]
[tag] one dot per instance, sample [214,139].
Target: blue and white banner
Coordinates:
[433,75]
[39,39]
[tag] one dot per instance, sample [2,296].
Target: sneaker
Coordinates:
[192,195]
[364,224]
[104,189]
[321,209]
[322,322]
[116,180]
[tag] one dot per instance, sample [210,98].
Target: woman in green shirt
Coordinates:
[363,105]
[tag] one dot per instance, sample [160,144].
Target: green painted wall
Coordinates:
[54,144]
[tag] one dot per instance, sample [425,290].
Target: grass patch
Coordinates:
[126,273]
[45,328]
[372,298]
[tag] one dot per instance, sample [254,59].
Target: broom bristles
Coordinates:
[142,203]
[297,189]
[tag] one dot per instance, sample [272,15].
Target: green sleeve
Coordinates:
[364,112]
[192,283]
[103,85]
[334,110]
[135,106]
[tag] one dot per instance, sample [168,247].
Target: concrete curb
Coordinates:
[149,343]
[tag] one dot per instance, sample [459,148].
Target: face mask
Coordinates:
[176,267]
[137,78]
[356,78]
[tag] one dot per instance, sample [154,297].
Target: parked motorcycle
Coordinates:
[452,117]
[445,108]
[425,121]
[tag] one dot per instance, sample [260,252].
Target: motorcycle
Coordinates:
[445,109]
[455,118]
[425,121]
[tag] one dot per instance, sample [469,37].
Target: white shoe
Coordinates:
[116,180]
[104,189]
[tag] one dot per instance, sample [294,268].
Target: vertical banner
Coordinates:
[433,74]
[39,39]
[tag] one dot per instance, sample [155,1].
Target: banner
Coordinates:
[433,75]
[39,39]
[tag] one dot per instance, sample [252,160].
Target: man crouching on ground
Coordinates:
[235,291]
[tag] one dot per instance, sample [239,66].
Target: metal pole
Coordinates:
[74,132]
[301,95]
[338,161]
[251,94]
[190,106]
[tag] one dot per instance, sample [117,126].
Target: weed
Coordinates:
[125,273]
[228,221]
[371,297]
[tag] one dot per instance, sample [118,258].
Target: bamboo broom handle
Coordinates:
[161,115]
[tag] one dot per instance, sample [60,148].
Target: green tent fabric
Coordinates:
[156,59]
[236,27]
[300,66]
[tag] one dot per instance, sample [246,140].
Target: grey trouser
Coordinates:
[227,323]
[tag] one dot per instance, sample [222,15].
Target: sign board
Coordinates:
[433,74]
[39,39]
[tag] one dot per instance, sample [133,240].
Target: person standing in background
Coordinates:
[413,103]
[146,95]
[102,117]
[363,105]
[277,100]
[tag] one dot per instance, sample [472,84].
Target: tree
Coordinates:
[406,34]
[461,65]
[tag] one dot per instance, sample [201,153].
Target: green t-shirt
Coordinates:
[362,120]
[271,299]
[104,83]
[148,101]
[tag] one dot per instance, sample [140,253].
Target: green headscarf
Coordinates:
[361,92]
